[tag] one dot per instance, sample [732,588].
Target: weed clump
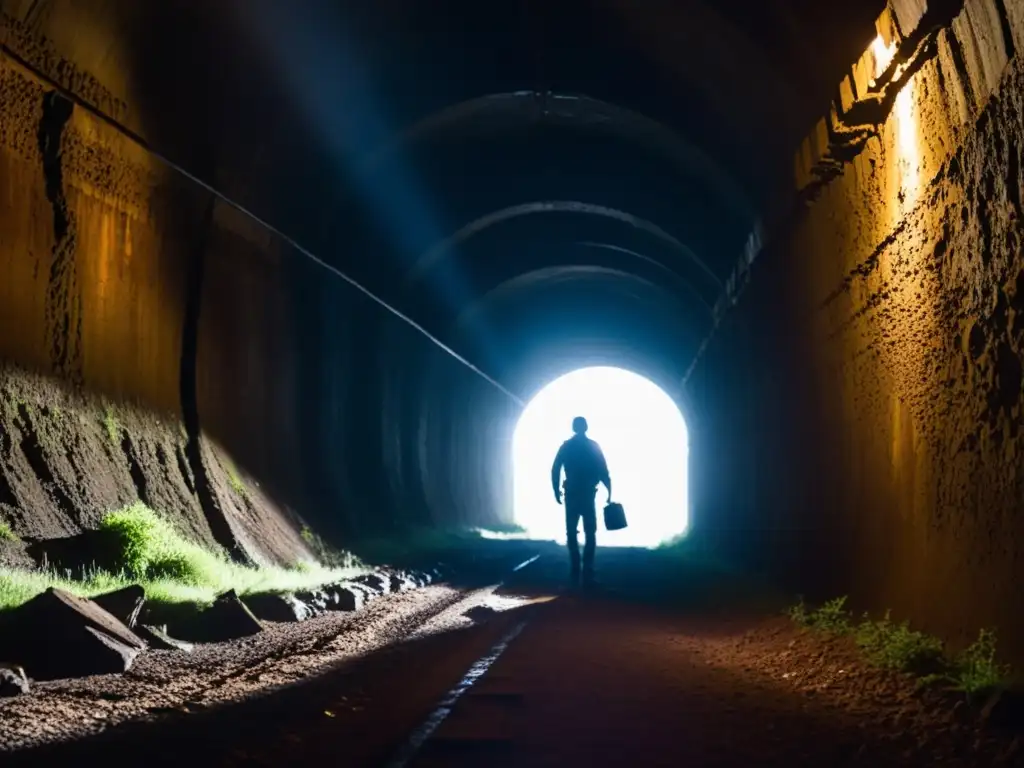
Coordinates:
[110,425]
[975,669]
[831,617]
[6,533]
[891,645]
[895,646]
[148,548]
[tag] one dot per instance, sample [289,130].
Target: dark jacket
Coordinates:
[584,465]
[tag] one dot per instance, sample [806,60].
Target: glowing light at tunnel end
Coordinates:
[644,437]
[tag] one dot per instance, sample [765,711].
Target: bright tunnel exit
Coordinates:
[644,438]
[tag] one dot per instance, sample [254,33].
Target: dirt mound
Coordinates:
[67,459]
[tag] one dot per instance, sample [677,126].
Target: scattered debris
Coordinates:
[158,638]
[346,596]
[375,581]
[13,681]
[278,607]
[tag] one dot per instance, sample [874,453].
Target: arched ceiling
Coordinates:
[517,175]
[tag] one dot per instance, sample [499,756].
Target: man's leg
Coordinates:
[572,524]
[589,515]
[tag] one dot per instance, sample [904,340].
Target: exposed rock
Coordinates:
[177,618]
[73,553]
[57,635]
[401,582]
[124,604]
[158,638]
[375,581]
[346,596]
[315,600]
[274,607]
[227,619]
[13,681]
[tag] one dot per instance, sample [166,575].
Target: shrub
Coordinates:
[831,617]
[975,669]
[6,533]
[896,646]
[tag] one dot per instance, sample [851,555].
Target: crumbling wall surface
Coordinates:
[99,245]
[885,444]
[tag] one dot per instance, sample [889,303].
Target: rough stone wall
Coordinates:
[97,240]
[877,408]
[247,384]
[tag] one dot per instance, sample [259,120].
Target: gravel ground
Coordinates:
[165,682]
[600,682]
[899,721]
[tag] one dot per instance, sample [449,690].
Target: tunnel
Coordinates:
[278,273]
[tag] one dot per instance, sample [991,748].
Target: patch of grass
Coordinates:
[110,425]
[18,586]
[895,646]
[975,669]
[831,617]
[6,534]
[891,645]
[171,568]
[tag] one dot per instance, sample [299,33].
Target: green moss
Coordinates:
[113,429]
[234,479]
[6,534]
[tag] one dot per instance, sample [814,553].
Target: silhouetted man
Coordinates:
[585,467]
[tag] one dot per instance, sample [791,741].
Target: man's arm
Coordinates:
[603,466]
[556,473]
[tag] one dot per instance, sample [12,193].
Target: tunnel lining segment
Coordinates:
[9,54]
[475,227]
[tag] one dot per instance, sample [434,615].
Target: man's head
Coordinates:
[579,425]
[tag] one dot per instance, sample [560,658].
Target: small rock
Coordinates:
[315,600]
[375,581]
[13,681]
[401,582]
[124,604]
[226,619]
[158,638]
[345,596]
[284,608]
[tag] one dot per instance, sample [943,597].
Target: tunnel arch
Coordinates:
[500,112]
[495,218]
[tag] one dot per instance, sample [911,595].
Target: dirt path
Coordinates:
[605,683]
[679,667]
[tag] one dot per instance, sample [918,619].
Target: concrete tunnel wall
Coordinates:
[875,418]
[158,344]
